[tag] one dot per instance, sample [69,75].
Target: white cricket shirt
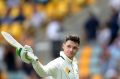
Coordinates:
[60,68]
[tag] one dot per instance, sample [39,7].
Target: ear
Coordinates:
[63,46]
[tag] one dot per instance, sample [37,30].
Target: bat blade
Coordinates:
[11,40]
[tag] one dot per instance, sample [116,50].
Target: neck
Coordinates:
[70,58]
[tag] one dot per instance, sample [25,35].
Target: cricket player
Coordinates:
[63,67]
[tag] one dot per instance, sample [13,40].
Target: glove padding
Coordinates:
[27,55]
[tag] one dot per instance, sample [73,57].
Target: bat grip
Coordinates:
[18,51]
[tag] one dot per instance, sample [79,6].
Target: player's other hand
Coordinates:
[27,55]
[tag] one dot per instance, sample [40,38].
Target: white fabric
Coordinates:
[103,36]
[52,30]
[58,68]
[37,19]
[115,4]
[110,73]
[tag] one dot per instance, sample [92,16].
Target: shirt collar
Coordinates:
[65,57]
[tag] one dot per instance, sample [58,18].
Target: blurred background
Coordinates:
[43,24]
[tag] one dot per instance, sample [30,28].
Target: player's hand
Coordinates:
[27,55]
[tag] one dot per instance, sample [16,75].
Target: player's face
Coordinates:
[70,48]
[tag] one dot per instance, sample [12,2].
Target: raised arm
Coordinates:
[27,56]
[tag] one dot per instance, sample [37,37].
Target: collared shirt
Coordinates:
[60,68]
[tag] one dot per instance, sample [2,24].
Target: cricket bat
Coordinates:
[16,44]
[12,41]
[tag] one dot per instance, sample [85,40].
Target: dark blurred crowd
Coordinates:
[99,55]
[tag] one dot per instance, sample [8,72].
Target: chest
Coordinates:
[69,70]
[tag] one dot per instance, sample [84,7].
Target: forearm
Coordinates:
[27,56]
[40,69]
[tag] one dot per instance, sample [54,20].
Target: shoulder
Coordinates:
[56,62]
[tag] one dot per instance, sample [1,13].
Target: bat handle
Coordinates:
[18,51]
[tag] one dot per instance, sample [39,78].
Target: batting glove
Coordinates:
[27,55]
